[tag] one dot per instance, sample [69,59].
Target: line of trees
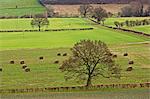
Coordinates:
[135,9]
[131,23]
[98,13]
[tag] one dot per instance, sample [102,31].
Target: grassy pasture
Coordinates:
[55,23]
[29,46]
[145,29]
[8,7]
[46,74]
[62,38]
[103,94]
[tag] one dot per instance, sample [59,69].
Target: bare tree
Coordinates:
[134,9]
[147,11]
[39,22]
[85,10]
[126,11]
[90,59]
[137,8]
[100,14]
[50,11]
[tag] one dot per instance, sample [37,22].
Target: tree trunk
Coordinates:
[89,83]
[84,15]
[39,28]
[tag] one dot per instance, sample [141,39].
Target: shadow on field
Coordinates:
[128,94]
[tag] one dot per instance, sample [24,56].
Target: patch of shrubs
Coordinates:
[132,23]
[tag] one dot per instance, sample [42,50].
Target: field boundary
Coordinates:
[121,29]
[58,89]
[127,30]
[47,30]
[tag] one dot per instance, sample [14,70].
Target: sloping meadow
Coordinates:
[43,53]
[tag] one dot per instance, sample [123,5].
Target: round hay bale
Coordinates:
[27,70]
[56,62]
[114,56]
[65,54]
[131,62]
[22,62]
[24,66]
[1,69]
[129,69]
[41,58]
[110,54]
[125,54]
[59,54]
[12,62]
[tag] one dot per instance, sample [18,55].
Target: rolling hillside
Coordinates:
[20,7]
[89,1]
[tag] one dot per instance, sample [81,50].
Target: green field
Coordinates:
[29,46]
[145,29]
[100,94]
[24,7]
[55,23]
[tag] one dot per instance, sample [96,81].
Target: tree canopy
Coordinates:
[90,59]
[39,22]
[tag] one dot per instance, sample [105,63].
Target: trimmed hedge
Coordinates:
[125,86]
[127,30]
[46,30]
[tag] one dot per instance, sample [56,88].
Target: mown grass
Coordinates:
[24,7]
[16,40]
[55,23]
[47,74]
[145,29]
[29,46]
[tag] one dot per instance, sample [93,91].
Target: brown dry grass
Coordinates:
[73,9]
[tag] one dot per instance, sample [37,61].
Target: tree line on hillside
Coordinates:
[135,9]
[91,1]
